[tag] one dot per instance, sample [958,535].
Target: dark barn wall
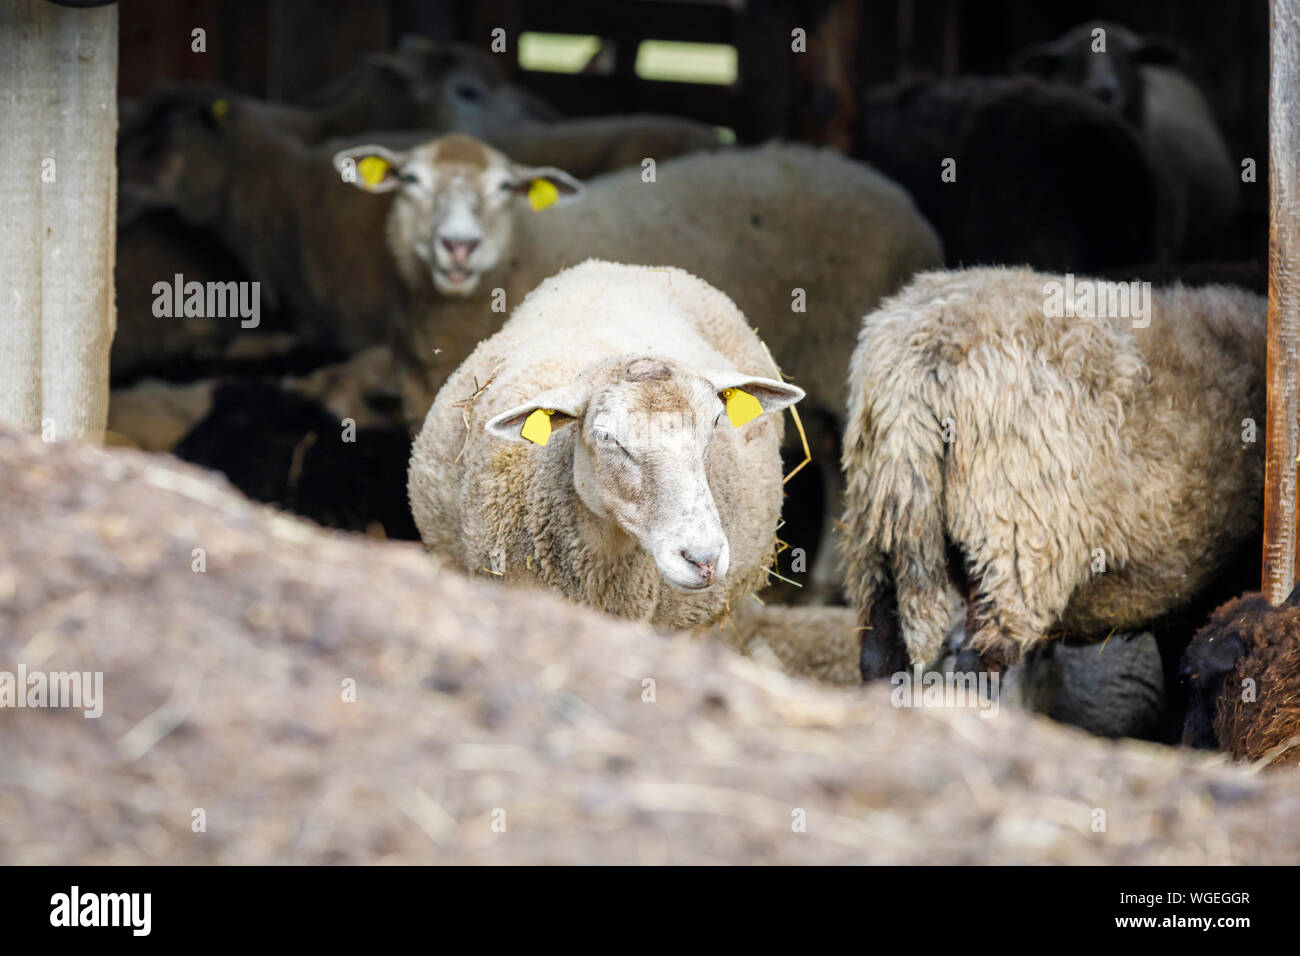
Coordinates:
[287,49]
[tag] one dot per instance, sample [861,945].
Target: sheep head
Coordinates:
[1103,60]
[452,220]
[641,431]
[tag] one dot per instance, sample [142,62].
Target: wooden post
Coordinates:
[1280,511]
[58,206]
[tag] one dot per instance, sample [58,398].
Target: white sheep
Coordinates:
[1090,471]
[611,442]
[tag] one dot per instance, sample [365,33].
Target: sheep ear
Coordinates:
[747,397]
[546,186]
[535,420]
[374,169]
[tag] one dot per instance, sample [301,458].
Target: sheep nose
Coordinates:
[460,249]
[707,563]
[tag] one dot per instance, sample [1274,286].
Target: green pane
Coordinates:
[556,52]
[686,62]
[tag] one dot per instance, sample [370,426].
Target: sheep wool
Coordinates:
[1243,671]
[512,510]
[1089,471]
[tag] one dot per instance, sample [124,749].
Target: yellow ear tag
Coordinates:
[220,109]
[542,193]
[741,406]
[537,427]
[372,169]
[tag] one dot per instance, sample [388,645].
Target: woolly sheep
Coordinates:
[645,497]
[1040,175]
[776,227]
[328,445]
[1074,444]
[282,447]
[259,191]
[1139,78]
[1247,640]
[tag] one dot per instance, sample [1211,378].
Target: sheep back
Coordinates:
[1072,445]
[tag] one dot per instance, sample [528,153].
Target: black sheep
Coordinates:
[286,449]
[1045,175]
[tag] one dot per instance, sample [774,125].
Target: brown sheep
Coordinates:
[1243,668]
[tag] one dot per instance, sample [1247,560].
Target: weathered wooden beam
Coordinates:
[58,205]
[1283,432]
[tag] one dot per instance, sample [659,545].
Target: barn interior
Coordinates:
[234,121]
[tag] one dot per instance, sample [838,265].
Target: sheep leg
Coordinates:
[1000,623]
[882,652]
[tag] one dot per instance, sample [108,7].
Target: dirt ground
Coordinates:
[494,726]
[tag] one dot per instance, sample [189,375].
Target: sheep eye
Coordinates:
[407,177]
[607,439]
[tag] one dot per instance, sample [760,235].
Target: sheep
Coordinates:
[779,227]
[224,167]
[420,85]
[1083,473]
[329,444]
[613,442]
[1012,171]
[1243,669]
[227,171]
[1139,78]
[282,447]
